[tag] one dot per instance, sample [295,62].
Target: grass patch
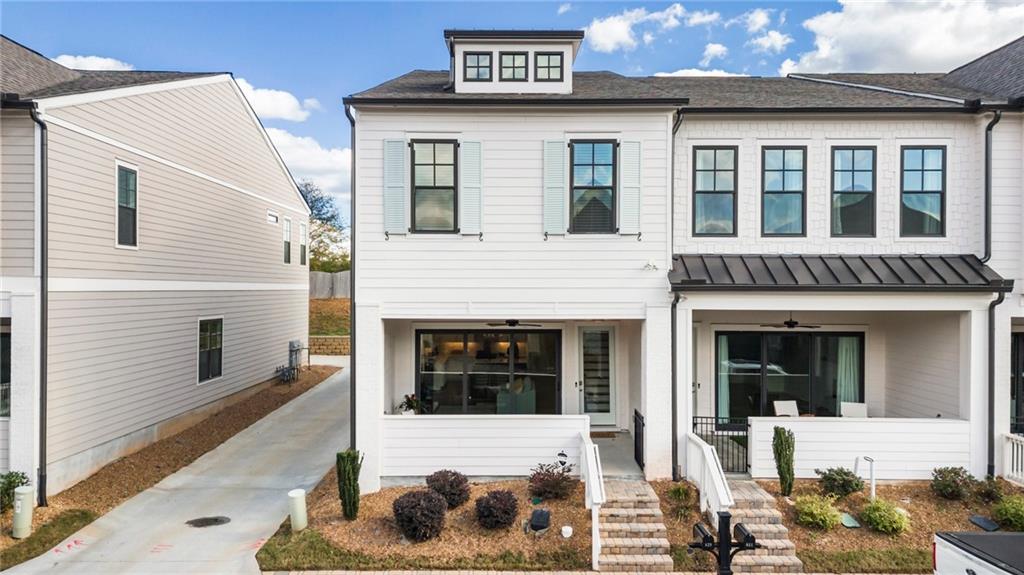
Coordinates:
[328,317]
[893,560]
[309,550]
[46,537]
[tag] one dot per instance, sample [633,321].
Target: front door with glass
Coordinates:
[597,371]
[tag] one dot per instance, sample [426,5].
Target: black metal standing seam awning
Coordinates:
[907,273]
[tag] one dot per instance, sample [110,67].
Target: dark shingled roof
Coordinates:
[1001,71]
[934,84]
[31,75]
[834,272]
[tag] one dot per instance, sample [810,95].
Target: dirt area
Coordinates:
[329,316]
[679,520]
[125,477]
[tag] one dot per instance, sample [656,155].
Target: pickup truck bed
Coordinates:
[1002,550]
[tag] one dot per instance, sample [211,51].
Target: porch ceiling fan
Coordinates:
[790,324]
[512,323]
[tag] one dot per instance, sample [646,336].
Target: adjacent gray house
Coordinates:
[152,259]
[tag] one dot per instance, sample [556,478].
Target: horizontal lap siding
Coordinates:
[923,365]
[17,193]
[1008,196]
[502,445]
[513,262]
[5,424]
[901,448]
[123,361]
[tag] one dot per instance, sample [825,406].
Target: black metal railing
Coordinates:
[638,438]
[728,435]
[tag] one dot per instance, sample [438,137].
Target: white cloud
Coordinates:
[772,41]
[687,72]
[753,20]
[277,104]
[702,17]
[91,63]
[617,32]
[712,51]
[306,158]
[896,35]
[648,38]
[563,8]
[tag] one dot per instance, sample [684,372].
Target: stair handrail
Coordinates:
[704,468]
[594,493]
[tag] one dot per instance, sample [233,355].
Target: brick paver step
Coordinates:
[752,516]
[632,530]
[763,531]
[621,515]
[634,563]
[743,563]
[774,547]
[634,546]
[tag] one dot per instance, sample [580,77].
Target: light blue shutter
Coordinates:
[629,188]
[394,187]
[554,187]
[470,188]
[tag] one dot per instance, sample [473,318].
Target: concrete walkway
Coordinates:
[246,479]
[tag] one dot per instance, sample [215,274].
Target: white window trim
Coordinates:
[273,214]
[880,150]
[567,166]
[118,164]
[287,227]
[199,320]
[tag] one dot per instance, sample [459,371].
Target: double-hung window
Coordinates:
[127,206]
[513,67]
[784,188]
[593,187]
[923,191]
[547,67]
[211,344]
[434,185]
[714,187]
[302,244]
[286,236]
[477,66]
[853,191]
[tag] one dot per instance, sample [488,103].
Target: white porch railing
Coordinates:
[1013,459]
[704,469]
[593,482]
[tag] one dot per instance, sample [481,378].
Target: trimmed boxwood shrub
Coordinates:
[420,514]
[451,485]
[497,509]
[839,481]
[989,490]
[551,481]
[952,482]
[883,516]
[817,512]
[1010,512]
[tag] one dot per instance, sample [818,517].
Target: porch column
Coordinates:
[683,381]
[656,393]
[369,394]
[974,384]
[1003,330]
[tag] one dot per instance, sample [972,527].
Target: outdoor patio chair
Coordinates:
[786,409]
[852,409]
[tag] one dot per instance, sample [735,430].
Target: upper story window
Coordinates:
[548,67]
[923,191]
[302,244]
[286,235]
[853,191]
[593,187]
[211,334]
[784,189]
[127,206]
[513,67]
[714,191]
[477,66]
[434,197]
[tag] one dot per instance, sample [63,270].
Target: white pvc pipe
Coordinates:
[297,509]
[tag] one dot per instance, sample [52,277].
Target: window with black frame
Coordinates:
[434,185]
[477,66]
[548,66]
[127,207]
[302,244]
[211,344]
[714,191]
[286,237]
[784,182]
[923,191]
[513,67]
[853,191]
[593,187]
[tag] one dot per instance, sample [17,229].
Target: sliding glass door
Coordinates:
[1017,383]
[816,370]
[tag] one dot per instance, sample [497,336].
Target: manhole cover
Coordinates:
[207,521]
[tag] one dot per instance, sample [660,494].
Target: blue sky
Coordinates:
[302,58]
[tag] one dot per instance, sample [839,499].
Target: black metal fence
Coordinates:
[1017,425]
[638,438]
[728,435]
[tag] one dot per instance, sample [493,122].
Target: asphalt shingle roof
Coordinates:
[1001,71]
[926,83]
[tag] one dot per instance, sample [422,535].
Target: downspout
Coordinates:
[675,298]
[996,116]
[43,304]
[352,283]
[991,470]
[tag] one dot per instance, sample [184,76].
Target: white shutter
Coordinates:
[629,188]
[555,192]
[470,188]
[394,187]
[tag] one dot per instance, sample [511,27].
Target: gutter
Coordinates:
[991,469]
[675,302]
[352,284]
[996,116]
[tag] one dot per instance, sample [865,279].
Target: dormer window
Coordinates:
[548,67]
[477,66]
[513,67]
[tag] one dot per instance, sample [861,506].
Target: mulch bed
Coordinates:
[679,520]
[132,474]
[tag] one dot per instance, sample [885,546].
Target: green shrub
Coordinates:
[952,482]
[451,485]
[496,510]
[8,483]
[1010,512]
[783,446]
[817,512]
[348,463]
[552,481]
[420,514]
[839,481]
[885,517]
[989,491]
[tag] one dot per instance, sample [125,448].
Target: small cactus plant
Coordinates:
[783,446]
[349,463]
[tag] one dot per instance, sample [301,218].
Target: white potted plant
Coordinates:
[410,405]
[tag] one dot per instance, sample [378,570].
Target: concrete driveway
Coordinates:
[245,479]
